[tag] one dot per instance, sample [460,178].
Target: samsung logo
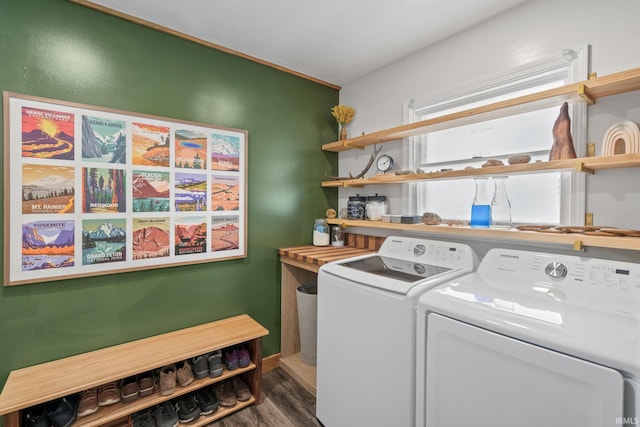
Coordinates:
[509,256]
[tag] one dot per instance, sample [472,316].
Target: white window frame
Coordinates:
[575,62]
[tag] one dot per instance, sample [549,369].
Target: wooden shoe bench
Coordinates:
[37,384]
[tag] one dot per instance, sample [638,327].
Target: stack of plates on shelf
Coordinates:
[621,138]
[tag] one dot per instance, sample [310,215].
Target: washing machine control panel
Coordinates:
[433,252]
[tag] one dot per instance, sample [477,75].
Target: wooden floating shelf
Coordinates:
[576,240]
[587,91]
[584,164]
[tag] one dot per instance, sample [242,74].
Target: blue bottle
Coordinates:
[481,208]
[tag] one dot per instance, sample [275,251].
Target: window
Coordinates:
[551,198]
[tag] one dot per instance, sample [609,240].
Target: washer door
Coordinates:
[476,377]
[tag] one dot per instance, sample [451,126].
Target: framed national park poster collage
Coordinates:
[92,190]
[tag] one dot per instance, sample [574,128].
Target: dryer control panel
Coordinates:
[561,270]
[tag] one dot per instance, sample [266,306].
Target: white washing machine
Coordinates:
[531,339]
[367,333]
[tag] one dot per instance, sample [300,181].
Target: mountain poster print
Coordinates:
[48,244]
[151,237]
[150,191]
[104,140]
[225,153]
[47,189]
[103,240]
[47,134]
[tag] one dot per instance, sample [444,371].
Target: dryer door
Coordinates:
[476,377]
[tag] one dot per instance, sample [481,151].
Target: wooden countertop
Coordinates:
[312,257]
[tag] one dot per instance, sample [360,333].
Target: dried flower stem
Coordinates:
[343,114]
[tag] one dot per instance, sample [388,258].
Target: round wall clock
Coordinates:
[384,163]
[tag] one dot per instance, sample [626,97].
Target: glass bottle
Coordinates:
[320,232]
[481,209]
[500,205]
[337,236]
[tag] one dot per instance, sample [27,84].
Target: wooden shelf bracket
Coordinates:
[347,144]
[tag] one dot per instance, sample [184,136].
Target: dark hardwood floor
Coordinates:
[285,403]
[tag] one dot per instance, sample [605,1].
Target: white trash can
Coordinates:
[307,298]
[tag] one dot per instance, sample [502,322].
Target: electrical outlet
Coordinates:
[588,218]
[591,149]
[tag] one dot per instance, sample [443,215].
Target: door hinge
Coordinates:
[591,149]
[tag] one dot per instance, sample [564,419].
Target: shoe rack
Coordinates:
[45,382]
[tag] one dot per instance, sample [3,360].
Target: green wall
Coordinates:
[60,50]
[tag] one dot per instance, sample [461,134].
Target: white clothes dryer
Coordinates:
[531,339]
[367,333]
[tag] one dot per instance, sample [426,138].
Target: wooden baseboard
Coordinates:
[270,362]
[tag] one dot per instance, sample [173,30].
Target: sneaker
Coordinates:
[36,416]
[187,408]
[215,363]
[184,374]
[241,389]
[142,418]
[108,394]
[200,366]
[129,389]
[224,394]
[243,357]
[62,412]
[165,415]
[231,358]
[207,400]
[146,384]
[167,380]
[88,402]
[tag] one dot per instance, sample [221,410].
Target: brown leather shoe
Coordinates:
[167,380]
[184,374]
[146,384]
[129,389]
[88,402]
[225,394]
[108,394]
[241,389]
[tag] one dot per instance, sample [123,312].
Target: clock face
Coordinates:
[384,163]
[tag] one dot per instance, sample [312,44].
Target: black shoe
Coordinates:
[187,408]
[165,415]
[143,418]
[200,366]
[62,412]
[36,417]
[207,400]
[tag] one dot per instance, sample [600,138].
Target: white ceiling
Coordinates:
[335,41]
